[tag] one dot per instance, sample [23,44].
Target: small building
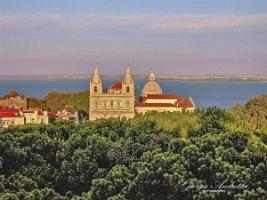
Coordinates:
[10,117]
[68,113]
[14,100]
[35,116]
[18,101]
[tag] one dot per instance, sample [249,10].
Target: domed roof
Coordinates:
[151,87]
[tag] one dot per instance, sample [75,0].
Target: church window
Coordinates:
[111,103]
[95,88]
[119,104]
[127,89]
[127,104]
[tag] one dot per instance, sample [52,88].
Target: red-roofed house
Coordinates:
[9,117]
[68,113]
[35,116]
[52,116]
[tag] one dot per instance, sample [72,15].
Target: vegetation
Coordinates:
[203,155]
[55,102]
[251,116]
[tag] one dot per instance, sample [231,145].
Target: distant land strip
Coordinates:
[249,78]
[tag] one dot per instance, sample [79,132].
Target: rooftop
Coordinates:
[117,86]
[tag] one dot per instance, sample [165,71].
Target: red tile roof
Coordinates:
[9,114]
[117,86]
[6,112]
[52,115]
[184,102]
[155,105]
[28,111]
[40,112]
[9,110]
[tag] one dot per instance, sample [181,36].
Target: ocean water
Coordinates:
[205,94]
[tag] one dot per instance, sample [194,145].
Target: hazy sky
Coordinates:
[173,37]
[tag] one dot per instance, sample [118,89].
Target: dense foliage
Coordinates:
[251,116]
[201,155]
[56,101]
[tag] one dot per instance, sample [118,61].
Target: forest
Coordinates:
[209,154]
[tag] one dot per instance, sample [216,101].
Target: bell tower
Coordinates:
[96,87]
[95,92]
[128,83]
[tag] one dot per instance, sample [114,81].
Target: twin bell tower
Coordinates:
[116,101]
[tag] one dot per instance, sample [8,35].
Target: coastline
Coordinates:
[249,78]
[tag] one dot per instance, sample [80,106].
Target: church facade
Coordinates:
[117,101]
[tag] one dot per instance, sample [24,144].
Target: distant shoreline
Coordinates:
[251,78]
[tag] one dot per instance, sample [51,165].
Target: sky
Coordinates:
[174,37]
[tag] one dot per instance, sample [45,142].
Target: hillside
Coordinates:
[203,155]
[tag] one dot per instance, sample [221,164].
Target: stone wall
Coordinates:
[18,101]
[14,101]
[144,110]
[4,102]
[111,106]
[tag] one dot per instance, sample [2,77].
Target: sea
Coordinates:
[205,94]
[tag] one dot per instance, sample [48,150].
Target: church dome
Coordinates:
[151,87]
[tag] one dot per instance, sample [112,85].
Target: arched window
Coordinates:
[111,103]
[127,89]
[95,88]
